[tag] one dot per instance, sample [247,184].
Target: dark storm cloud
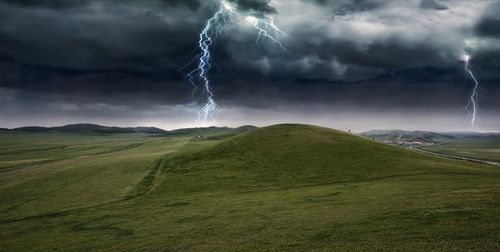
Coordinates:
[345,48]
[489,24]
[65,4]
[257,6]
[128,53]
[55,4]
[193,4]
[143,37]
[344,7]
[345,59]
[151,35]
[433,5]
[97,36]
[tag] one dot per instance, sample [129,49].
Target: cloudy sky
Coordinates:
[348,64]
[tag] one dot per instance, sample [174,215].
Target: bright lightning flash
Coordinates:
[472,106]
[202,62]
[267,29]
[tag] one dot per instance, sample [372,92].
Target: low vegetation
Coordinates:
[284,187]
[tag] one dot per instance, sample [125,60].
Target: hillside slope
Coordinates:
[296,155]
[209,131]
[279,188]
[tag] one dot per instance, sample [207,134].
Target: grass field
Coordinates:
[285,187]
[485,148]
[482,146]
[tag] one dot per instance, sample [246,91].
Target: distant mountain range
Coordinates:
[95,128]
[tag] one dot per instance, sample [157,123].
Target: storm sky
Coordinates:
[348,64]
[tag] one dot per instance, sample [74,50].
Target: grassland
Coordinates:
[474,145]
[485,148]
[285,187]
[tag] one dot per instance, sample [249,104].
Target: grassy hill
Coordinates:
[296,155]
[284,187]
[220,132]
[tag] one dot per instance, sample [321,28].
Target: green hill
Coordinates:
[296,155]
[209,131]
[278,188]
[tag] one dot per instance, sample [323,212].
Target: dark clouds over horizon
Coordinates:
[370,56]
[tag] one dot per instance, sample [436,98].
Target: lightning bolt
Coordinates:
[202,62]
[472,105]
[267,29]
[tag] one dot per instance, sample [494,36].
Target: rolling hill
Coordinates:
[279,188]
[209,131]
[296,155]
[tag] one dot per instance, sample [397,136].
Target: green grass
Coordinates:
[485,148]
[285,187]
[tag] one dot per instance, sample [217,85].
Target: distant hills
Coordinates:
[290,155]
[95,128]
[424,136]
[380,135]
[88,128]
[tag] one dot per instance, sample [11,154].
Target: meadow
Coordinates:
[485,148]
[279,188]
